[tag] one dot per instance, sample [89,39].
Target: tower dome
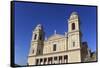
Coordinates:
[39,27]
[73,15]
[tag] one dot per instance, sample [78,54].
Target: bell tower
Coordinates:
[74,35]
[37,41]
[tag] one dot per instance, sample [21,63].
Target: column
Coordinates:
[47,61]
[50,60]
[57,61]
[53,60]
[38,61]
[62,59]
[42,61]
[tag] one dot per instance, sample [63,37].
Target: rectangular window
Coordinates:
[54,47]
[33,51]
[73,44]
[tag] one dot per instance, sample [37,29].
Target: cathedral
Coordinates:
[58,49]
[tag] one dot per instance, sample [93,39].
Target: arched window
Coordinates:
[35,36]
[73,26]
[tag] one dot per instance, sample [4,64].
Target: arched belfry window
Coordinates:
[73,26]
[35,36]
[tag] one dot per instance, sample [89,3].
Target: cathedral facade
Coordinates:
[58,49]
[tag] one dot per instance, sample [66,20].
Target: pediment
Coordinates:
[55,36]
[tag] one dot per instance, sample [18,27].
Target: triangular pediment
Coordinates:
[55,36]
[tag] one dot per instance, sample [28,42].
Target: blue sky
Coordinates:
[52,17]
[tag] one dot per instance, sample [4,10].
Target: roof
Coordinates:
[55,36]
